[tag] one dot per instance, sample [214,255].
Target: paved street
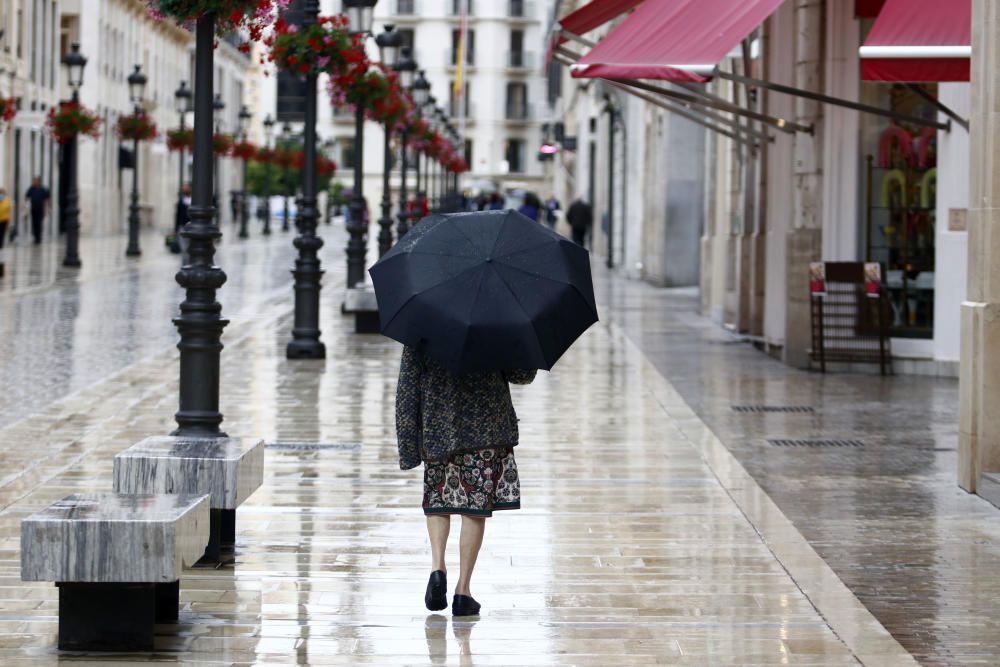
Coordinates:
[654,527]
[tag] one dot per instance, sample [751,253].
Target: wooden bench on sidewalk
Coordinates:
[229,470]
[117,561]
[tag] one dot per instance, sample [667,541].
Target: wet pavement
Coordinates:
[886,512]
[642,541]
[659,526]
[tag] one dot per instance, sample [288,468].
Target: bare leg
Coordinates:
[438,527]
[471,540]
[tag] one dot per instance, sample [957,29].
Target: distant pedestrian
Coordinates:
[463,429]
[496,202]
[4,224]
[581,218]
[40,199]
[551,208]
[532,207]
[182,219]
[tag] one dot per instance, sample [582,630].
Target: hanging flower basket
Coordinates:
[8,109]
[221,143]
[136,127]
[251,16]
[243,150]
[71,119]
[282,157]
[325,166]
[264,156]
[178,139]
[323,47]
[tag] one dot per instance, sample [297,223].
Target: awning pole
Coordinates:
[946,110]
[826,99]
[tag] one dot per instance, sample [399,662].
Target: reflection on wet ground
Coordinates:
[888,517]
[641,540]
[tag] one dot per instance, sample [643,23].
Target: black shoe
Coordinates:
[436,597]
[464,605]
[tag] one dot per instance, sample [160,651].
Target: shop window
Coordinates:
[514,155]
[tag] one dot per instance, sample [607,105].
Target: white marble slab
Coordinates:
[360,299]
[109,537]
[227,469]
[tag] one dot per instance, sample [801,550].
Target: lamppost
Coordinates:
[268,135]
[182,103]
[200,323]
[286,179]
[136,88]
[74,61]
[328,147]
[305,343]
[389,43]
[359,13]
[421,97]
[244,119]
[217,107]
[407,68]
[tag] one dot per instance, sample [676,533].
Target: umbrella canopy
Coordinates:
[485,291]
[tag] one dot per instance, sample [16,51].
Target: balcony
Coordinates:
[455,8]
[518,113]
[520,60]
[521,9]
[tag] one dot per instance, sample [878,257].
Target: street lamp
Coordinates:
[244,119]
[200,322]
[407,68]
[74,61]
[389,44]
[136,91]
[182,103]
[421,97]
[305,343]
[268,136]
[217,107]
[360,15]
[286,143]
[329,146]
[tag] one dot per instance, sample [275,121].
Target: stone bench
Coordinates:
[117,561]
[361,302]
[227,469]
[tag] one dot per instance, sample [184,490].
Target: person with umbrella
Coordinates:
[480,301]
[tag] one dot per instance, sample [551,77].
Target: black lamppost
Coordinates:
[407,69]
[217,107]
[286,178]
[389,43]
[244,119]
[136,88]
[268,135]
[74,62]
[359,13]
[182,103]
[200,322]
[421,97]
[305,343]
[328,147]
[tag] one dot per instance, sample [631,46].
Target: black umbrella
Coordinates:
[482,291]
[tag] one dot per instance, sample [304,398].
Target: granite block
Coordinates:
[106,537]
[229,470]
[360,300]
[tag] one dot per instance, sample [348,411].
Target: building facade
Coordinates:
[756,213]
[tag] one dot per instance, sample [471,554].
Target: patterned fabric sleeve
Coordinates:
[519,376]
[408,423]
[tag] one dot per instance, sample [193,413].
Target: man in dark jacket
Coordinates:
[581,218]
[39,198]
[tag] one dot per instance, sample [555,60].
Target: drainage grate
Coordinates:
[773,408]
[780,442]
[313,446]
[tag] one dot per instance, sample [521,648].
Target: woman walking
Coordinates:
[463,429]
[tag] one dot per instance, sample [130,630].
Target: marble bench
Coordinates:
[227,469]
[361,302]
[116,560]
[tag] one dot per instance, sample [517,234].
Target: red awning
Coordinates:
[675,40]
[919,40]
[594,15]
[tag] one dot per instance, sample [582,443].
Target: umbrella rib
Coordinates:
[519,304]
[414,296]
[458,228]
[554,280]
[523,250]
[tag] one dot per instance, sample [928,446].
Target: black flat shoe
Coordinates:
[436,597]
[464,605]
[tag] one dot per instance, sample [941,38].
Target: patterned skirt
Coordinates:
[475,483]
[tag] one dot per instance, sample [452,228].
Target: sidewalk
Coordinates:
[642,540]
[886,515]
